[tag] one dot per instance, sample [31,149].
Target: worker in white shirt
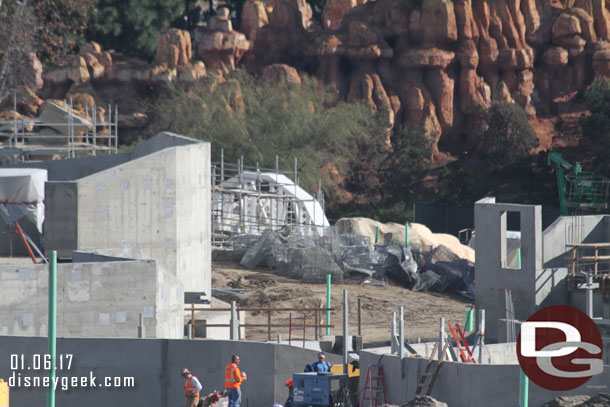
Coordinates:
[192,387]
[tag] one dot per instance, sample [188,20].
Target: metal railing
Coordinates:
[292,327]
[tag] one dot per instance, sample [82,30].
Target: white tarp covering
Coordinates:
[22,194]
[258,213]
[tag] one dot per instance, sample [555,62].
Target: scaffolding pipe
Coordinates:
[328,278]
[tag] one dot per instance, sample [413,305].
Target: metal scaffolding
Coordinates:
[250,199]
[20,140]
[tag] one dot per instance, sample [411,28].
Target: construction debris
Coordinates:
[599,400]
[311,258]
[424,401]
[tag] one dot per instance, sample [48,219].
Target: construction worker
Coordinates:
[289,401]
[321,365]
[192,387]
[233,380]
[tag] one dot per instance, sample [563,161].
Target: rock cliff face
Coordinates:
[430,63]
[437,63]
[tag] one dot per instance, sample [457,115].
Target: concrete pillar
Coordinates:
[234,322]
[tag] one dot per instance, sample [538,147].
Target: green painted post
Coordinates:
[524,383]
[519,258]
[328,303]
[406,234]
[376,234]
[52,325]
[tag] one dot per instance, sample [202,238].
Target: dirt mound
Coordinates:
[420,236]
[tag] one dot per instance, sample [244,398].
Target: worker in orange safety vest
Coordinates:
[192,387]
[233,380]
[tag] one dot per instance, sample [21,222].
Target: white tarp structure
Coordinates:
[253,202]
[22,194]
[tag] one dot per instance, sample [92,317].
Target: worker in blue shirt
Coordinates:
[321,365]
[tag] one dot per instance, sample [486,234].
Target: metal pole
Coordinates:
[269,323]
[406,234]
[481,333]
[589,286]
[290,329]
[376,234]
[441,342]
[401,340]
[52,326]
[393,338]
[345,330]
[328,304]
[303,330]
[234,333]
[277,193]
[524,383]
[359,319]
[94,118]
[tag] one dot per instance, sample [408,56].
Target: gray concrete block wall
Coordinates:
[491,277]
[156,365]
[155,207]
[93,300]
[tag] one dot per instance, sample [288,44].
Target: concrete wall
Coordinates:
[468,385]
[155,207]
[156,366]
[75,168]
[93,300]
[492,276]
[60,230]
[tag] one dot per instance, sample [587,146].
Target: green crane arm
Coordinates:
[561,165]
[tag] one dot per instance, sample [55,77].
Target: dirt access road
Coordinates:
[265,287]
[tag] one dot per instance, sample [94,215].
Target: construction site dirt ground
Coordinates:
[266,288]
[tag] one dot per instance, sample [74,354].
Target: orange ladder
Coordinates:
[375,386]
[461,344]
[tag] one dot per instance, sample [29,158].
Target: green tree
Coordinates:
[508,138]
[246,118]
[595,126]
[132,26]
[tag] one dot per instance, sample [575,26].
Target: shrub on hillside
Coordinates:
[595,126]
[257,122]
[509,137]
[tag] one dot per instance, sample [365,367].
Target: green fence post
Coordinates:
[52,326]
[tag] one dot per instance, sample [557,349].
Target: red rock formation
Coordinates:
[276,73]
[218,45]
[174,48]
[253,17]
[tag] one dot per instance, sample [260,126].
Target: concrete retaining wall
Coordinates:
[93,300]
[156,365]
[467,385]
